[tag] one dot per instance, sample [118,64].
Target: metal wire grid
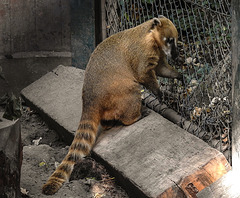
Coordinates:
[205,59]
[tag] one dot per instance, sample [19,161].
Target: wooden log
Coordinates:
[227,186]
[235,83]
[155,158]
[10,158]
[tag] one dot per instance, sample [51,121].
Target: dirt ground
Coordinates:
[43,150]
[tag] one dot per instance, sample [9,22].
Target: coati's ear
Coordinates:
[156,22]
[161,16]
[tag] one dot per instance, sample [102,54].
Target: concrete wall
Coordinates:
[83,31]
[34,25]
[38,35]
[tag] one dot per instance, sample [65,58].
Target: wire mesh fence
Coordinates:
[205,59]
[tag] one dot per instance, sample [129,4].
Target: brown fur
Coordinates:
[111,90]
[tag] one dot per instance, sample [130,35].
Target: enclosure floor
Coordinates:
[151,158]
[89,178]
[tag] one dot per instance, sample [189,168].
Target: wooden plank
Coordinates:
[23,25]
[82,32]
[48,24]
[104,26]
[34,25]
[160,159]
[98,21]
[236,85]
[5,30]
[226,187]
[65,17]
[10,158]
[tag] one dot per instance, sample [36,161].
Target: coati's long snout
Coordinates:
[174,51]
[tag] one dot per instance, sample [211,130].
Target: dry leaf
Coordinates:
[24,191]
[36,142]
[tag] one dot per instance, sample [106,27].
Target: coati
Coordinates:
[112,85]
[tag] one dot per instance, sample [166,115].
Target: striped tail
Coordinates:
[81,146]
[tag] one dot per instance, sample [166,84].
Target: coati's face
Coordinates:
[166,36]
[170,47]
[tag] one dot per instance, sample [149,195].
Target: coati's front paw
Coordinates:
[181,78]
[159,95]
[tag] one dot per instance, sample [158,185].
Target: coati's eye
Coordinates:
[169,40]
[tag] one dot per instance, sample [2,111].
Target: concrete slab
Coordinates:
[160,157]
[10,157]
[225,187]
[57,97]
[151,158]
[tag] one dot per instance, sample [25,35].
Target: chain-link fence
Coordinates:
[205,59]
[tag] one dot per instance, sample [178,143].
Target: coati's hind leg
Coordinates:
[108,124]
[130,117]
[132,110]
[125,109]
[126,118]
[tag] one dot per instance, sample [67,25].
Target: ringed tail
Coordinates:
[81,146]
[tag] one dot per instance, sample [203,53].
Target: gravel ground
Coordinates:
[43,150]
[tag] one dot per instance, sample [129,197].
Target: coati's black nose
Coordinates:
[175,53]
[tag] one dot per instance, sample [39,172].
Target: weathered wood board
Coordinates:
[10,158]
